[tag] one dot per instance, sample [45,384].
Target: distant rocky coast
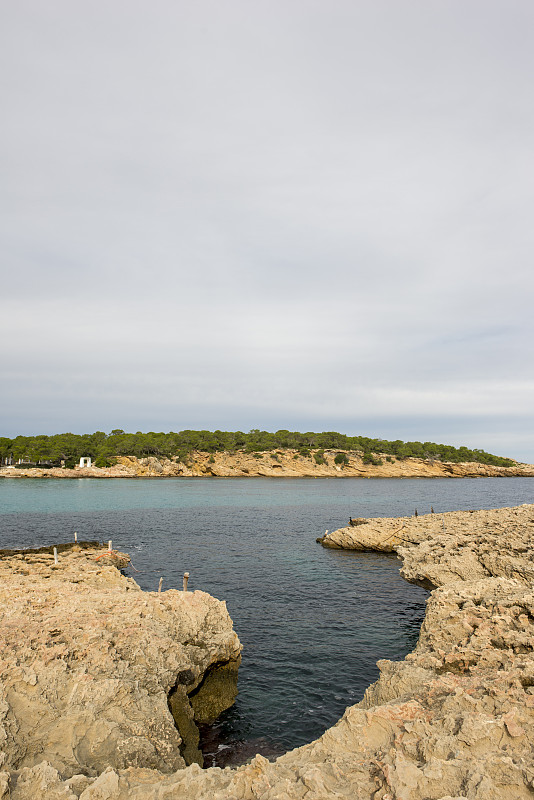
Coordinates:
[91,660]
[278,464]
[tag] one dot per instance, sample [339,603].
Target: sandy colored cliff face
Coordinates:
[88,662]
[453,721]
[278,464]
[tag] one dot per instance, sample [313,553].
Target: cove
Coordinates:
[313,622]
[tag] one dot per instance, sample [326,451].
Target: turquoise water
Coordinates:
[313,622]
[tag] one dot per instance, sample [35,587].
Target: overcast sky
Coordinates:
[269,214]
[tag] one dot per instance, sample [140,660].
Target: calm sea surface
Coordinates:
[313,622]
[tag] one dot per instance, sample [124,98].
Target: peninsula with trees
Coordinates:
[258,453]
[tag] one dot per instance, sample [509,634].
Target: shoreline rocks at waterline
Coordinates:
[285,463]
[96,673]
[454,720]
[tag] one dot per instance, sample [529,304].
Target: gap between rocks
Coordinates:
[201,704]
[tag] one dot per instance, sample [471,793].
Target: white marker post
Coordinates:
[186,578]
[55,555]
[160,584]
[109,546]
[75,536]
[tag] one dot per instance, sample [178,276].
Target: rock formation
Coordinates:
[453,721]
[278,464]
[93,669]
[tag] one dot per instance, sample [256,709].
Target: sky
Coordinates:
[236,214]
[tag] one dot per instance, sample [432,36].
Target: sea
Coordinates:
[313,622]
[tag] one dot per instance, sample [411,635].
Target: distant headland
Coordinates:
[236,454]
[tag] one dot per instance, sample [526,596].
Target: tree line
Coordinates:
[103,448]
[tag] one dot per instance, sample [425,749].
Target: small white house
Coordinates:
[85,462]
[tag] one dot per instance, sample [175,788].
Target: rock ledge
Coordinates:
[93,669]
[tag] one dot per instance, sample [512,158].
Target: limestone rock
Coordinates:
[88,660]
[288,464]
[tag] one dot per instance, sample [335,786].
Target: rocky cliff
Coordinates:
[95,672]
[279,464]
[453,721]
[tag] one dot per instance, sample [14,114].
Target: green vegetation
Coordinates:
[103,448]
[319,458]
[369,458]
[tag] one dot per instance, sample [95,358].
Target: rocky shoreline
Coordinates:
[453,721]
[96,673]
[277,464]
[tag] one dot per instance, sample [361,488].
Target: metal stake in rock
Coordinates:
[55,555]
[75,536]
[160,584]
[186,578]
[109,546]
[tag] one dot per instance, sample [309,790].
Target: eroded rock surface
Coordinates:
[88,660]
[284,463]
[453,721]
[439,548]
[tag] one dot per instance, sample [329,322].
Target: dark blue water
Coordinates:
[313,622]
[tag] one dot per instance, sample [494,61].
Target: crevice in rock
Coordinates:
[202,704]
[216,692]
[184,719]
[424,583]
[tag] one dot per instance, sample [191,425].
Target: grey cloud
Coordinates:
[285,210]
